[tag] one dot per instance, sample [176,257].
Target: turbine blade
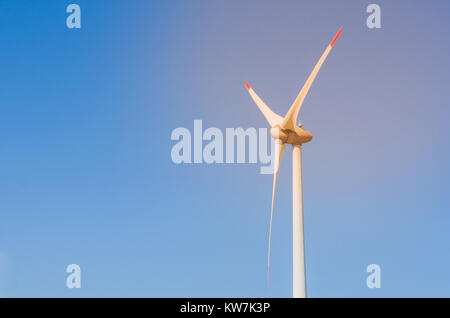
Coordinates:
[271,117]
[290,119]
[279,150]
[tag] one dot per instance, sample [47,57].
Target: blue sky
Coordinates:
[86,175]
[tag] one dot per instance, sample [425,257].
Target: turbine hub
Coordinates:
[278,133]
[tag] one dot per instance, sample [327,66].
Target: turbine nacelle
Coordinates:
[298,136]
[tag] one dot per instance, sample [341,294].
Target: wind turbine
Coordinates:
[285,131]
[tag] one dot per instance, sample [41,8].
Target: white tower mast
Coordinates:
[298,239]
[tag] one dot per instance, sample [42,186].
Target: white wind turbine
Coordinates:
[285,131]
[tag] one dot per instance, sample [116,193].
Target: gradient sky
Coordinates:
[86,175]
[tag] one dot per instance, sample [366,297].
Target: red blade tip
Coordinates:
[248,86]
[336,37]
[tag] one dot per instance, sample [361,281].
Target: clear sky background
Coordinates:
[86,175]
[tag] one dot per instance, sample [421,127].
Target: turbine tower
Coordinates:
[286,131]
